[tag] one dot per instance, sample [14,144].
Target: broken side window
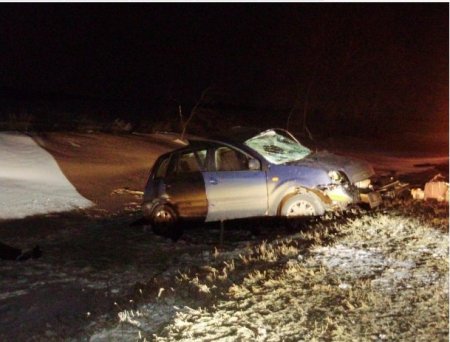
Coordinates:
[187,162]
[227,159]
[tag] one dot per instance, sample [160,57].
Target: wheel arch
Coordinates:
[323,200]
[148,208]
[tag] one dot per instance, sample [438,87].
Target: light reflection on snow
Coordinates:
[31,181]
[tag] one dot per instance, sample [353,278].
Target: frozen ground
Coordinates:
[379,275]
[31,181]
[375,276]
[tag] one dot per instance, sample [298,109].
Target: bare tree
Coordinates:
[185,123]
[305,108]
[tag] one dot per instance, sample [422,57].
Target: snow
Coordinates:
[381,275]
[383,270]
[364,263]
[31,181]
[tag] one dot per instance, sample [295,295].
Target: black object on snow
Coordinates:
[12,253]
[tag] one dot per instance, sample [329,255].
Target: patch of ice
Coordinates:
[12,294]
[345,286]
[31,181]
[148,319]
[356,262]
[389,274]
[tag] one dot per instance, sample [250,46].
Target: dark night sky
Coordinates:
[370,57]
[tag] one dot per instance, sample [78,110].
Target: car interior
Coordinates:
[230,160]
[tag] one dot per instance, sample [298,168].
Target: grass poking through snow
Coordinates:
[381,276]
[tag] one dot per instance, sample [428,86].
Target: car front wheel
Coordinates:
[164,222]
[302,205]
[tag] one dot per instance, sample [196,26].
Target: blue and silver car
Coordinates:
[252,173]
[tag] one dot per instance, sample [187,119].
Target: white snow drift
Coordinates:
[31,181]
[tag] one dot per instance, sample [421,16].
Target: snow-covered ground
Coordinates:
[373,276]
[382,276]
[31,181]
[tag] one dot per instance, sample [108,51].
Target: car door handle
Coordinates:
[213,181]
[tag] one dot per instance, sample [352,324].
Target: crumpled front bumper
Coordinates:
[340,196]
[343,196]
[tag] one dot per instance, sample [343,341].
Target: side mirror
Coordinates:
[254,164]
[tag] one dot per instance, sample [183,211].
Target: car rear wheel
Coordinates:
[164,222]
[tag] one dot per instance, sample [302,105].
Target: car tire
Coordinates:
[302,205]
[300,208]
[164,221]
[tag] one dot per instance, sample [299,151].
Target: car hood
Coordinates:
[355,169]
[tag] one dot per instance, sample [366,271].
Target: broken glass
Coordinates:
[277,148]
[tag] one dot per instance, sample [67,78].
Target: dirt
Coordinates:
[100,272]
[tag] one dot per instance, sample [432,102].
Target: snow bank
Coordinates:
[30,180]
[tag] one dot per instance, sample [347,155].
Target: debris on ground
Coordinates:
[390,187]
[437,188]
[417,194]
[12,253]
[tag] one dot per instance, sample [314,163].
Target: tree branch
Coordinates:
[191,115]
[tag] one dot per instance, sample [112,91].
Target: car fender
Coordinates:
[323,199]
[355,169]
[292,188]
[287,180]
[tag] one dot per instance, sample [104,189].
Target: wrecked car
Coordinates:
[252,173]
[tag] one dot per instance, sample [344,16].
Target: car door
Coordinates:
[184,183]
[233,191]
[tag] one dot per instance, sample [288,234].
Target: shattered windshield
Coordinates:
[278,147]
